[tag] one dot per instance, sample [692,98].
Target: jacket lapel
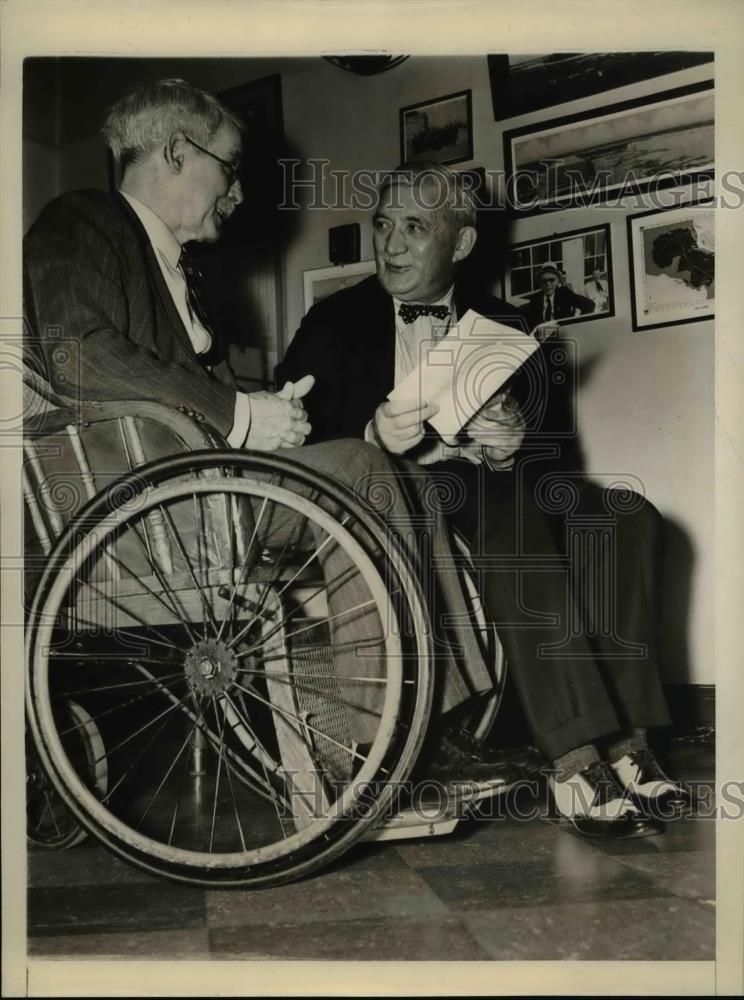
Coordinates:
[157,283]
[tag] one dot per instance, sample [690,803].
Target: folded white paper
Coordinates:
[463,370]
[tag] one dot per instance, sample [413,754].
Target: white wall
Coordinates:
[646,407]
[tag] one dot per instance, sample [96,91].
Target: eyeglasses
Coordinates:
[230,167]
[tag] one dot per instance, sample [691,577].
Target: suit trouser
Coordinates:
[576,615]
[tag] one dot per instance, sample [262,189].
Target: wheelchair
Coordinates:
[229,657]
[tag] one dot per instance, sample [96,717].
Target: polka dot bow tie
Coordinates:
[409,312]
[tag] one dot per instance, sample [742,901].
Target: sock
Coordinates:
[569,764]
[634,740]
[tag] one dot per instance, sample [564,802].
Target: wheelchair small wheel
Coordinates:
[253,645]
[49,823]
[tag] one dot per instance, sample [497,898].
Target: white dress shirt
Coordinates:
[167,253]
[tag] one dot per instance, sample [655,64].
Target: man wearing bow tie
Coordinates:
[588,717]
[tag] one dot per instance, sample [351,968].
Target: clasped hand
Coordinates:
[278,419]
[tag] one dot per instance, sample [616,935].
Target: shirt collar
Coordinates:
[159,235]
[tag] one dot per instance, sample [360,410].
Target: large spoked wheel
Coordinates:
[253,647]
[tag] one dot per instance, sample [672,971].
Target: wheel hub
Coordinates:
[210,667]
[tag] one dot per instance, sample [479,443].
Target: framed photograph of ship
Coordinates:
[440,129]
[521,84]
[602,155]
[672,265]
[582,259]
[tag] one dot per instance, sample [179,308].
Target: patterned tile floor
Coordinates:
[496,889]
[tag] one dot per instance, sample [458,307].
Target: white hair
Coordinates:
[137,123]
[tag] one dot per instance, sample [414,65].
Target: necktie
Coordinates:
[409,312]
[193,276]
[548,308]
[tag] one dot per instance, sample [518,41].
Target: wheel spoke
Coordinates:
[221,723]
[187,563]
[271,584]
[79,620]
[105,712]
[128,739]
[263,754]
[163,780]
[126,611]
[243,567]
[124,684]
[279,625]
[153,736]
[243,766]
[199,521]
[306,628]
[281,674]
[175,608]
[50,808]
[300,722]
[296,682]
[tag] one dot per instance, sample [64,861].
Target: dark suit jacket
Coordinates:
[565,300]
[102,322]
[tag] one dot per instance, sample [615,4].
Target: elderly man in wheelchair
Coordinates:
[231,665]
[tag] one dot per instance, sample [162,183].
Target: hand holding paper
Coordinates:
[460,373]
[400,424]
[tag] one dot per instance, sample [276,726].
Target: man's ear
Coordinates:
[465,242]
[174,151]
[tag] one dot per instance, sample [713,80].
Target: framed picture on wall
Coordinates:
[320,282]
[521,84]
[440,129]
[672,265]
[582,287]
[602,155]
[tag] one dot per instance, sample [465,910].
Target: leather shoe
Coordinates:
[459,757]
[649,787]
[597,805]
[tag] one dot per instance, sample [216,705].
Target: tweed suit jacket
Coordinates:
[103,324]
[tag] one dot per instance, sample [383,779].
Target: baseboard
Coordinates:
[691,704]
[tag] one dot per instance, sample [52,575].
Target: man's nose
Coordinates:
[395,243]
[236,192]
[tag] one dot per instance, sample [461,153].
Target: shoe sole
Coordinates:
[598,829]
